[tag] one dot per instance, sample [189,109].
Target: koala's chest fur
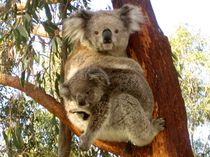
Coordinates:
[83,56]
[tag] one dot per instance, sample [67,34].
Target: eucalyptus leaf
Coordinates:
[22,79]
[23,32]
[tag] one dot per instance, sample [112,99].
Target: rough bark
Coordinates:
[152,50]
[39,96]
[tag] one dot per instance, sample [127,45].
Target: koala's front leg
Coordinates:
[148,131]
[158,125]
[97,119]
[141,130]
[86,139]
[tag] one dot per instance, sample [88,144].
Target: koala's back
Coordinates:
[133,83]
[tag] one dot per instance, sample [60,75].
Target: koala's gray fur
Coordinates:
[95,90]
[104,31]
[108,80]
[96,42]
[85,54]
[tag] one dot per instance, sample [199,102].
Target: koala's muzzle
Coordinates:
[107,36]
[80,100]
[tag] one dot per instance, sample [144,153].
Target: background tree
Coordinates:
[18,39]
[192,60]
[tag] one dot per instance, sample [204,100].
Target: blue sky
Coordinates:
[172,13]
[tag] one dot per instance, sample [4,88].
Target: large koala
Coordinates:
[104,31]
[99,38]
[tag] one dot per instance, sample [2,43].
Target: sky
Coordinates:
[172,13]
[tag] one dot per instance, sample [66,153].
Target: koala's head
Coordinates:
[105,31]
[86,87]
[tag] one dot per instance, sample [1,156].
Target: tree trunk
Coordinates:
[152,50]
[65,135]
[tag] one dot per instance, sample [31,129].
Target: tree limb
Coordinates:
[1,7]
[39,30]
[21,6]
[40,96]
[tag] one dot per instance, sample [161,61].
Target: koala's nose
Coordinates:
[107,36]
[82,103]
[80,100]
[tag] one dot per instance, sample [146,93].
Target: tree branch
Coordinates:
[1,7]
[41,97]
[40,31]
[21,6]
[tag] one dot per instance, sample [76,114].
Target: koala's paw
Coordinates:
[84,143]
[159,124]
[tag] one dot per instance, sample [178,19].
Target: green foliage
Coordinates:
[26,127]
[192,60]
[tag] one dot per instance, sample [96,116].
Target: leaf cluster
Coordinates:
[191,54]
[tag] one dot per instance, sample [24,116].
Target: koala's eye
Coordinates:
[88,92]
[96,32]
[116,31]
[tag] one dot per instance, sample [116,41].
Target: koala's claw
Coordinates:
[84,143]
[83,147]
[159,124]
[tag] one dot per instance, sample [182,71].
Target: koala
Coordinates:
[84,89]
[94,89]
[105,32]
[99,38]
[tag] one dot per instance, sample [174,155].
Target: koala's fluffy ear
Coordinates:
[98,75]
[132,17]
[64,90]
[74,26]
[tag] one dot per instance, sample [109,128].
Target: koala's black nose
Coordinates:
[80,100]
[107,36]
[82,103]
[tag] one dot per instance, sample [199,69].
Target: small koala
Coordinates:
[94,89]
[99,38]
